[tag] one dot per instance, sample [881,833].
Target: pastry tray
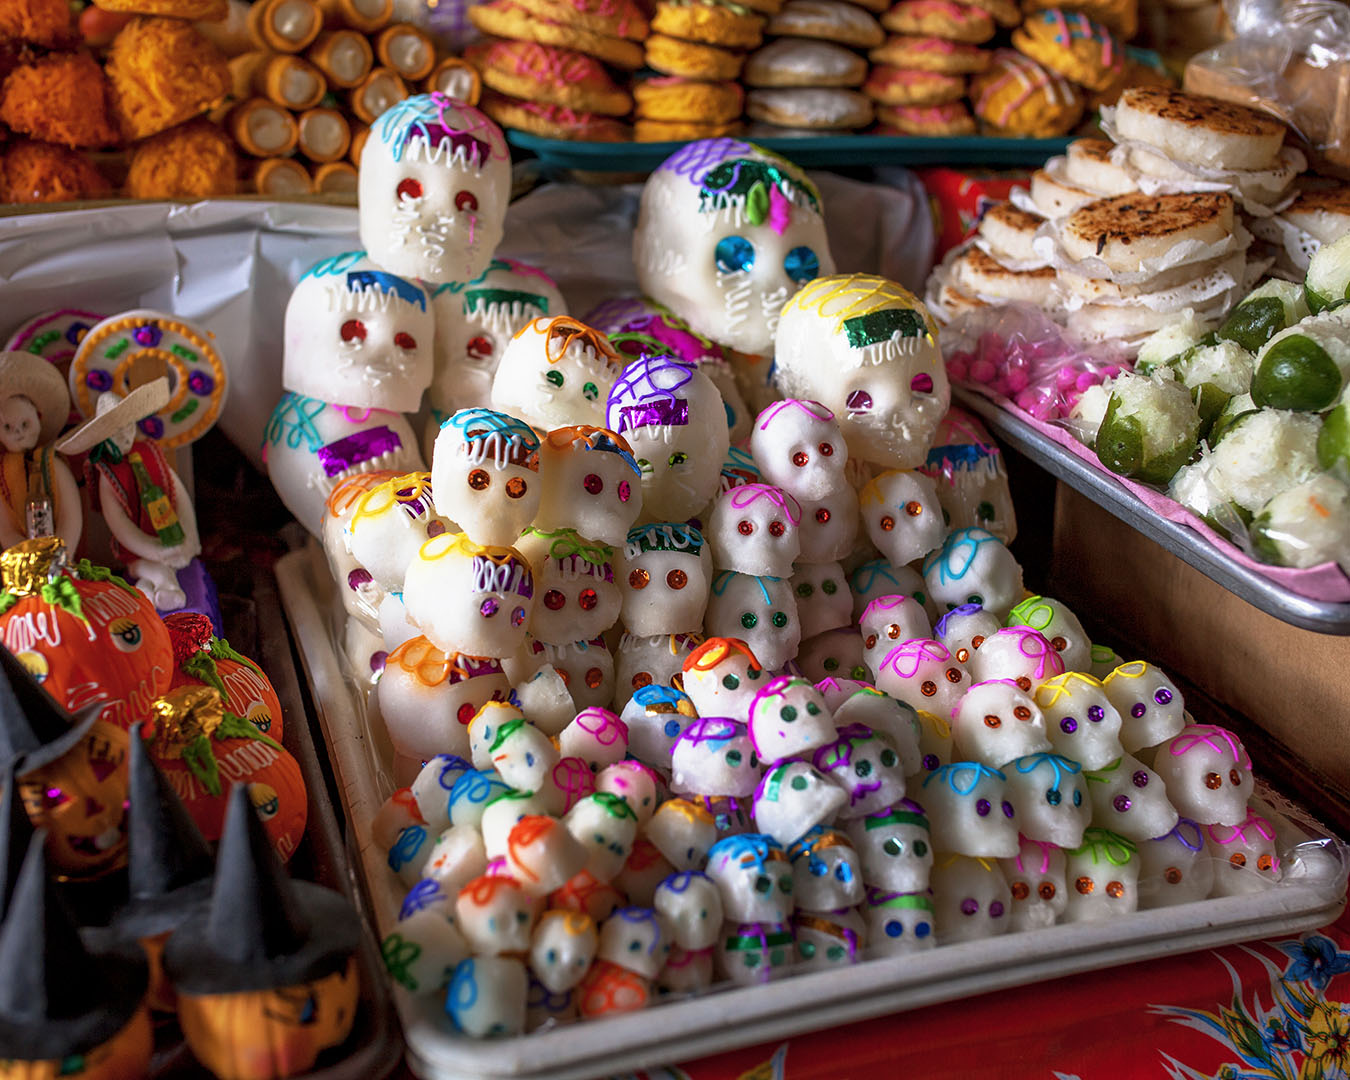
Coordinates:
[1188,545]
[1311,896]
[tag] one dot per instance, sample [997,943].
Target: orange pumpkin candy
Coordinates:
[126,1054]
[202,659]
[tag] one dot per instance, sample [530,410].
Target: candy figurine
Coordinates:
[969,810]
[637,939]
[362,643]
[898,922]
[1208,774]
[542,855]
[496,915]
[562,947]
[797,446]
[1103,877]
[1176,868]
[487,996]
[590,483]
[606,827]
[750,954]
[578,597]
[597,736]
[761,611]
[726,233]
[793,798]
[1245,855]
[1080,720]
[466,597]
[901,514]
[823,599]
[722,677]
[996,722]
[1151,707]
[422,953]
[964,628]
[608,989]
[1130,799]
[485,471]
[895,845]
[826,870]
[40,496]
[428,697]
[654,660]
[1059,626]
[971,478]
[788,718]
[971,899]
[435,178]
[1035,877]
[666,572]
[714,757]
[1048,797]
[754,876]
[683,831]
[753,530]
[973,567]
[889,621]
[1018,655]
[656,717]
[556,373]
[691,905]
[502,813]
[829,939]
[923,673]
[484,728]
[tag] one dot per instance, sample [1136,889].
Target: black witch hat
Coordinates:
[16,833]
[34,729]
[57,998]
[261,930]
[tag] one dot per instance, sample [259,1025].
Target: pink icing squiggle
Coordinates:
[813,409]
[749,494]
[1214,737]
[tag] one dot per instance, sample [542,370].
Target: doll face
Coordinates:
[485,471]
[726,232]
[563,946]
[635,938]
[1130,799]
[606,828]
[632,782]
[578,596]
[692,907]
[435,179]
[970,811]
[1244,856]
[971,899]
[761,611]
[1208,774]
[866,767]
[964,629]
[487,996]
[753,530]
[754,876]
[879,578]
[1047,792]
[901,514]
[665,575]
[555,373]
[722,677]
[1150,705]
[832,653]
[1080,720]
[823,599]
[889,621]
[714,756]
[1103,878]
[792,798]
[750,954]
[683,832]
[896,847]
[1018,654]
[468,598]
[591,483]
[867,349]
[996,722]
[19,424]
[788,718]
[797,446]
[829,939]
[358,335]
[656,716]
[829,527]
[898,922]
[597,736]
[1176,868]
[973,567]
[923,673]
[1059,626]
[1036,880]
[827,872]
[496,915]
[542,855]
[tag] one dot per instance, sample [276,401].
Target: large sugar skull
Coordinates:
[1176,868]
[714,756]
[793,798]
[542,855]
[970,811]
[562,947]
[474,321]
[358,335]
[606,827]
[578,597]
[797,446]
[1208,774]
[666,572]
[726,233]
[1059,626]
[672,416]
[896,847]
[487,996]
[1017,654]
[754,876]
[829,528]
[837,652]
[788,718]
[683,831]
[997,722]
[866,767]
[973,567]
[555,373]
[867,349]
[496,915]
[753,530]
[1035,877]
[1150,705]
[1130,799]
[586,669]
[971,899]
[827,872]
[656,716]
[923,674]
[591,483]
[637,939]
[691,905]
[1048,796]
[722,677]
[389,525]
[485,472]
[901,514]
[1080,720]
[427,697]
[830,938]
[751,954]
[889,621]
[1103,878]
[879,578]
[435,179]
[649,661]
[1244,855]
[972,481]
[762,611]
[964,629]
[466,597]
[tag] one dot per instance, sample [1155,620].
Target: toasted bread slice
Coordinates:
[1009,232]
[1201,130]
[1089,166]
[980,274]
[1127,230]
[946,301]
[1323,214]
[1055,198]
[1188,275]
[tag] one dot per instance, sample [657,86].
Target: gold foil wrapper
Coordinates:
[29,564]
[185,714]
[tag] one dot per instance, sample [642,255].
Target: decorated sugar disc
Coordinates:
[131,348]
[54,335]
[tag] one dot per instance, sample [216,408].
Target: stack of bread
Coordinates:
[1315,216]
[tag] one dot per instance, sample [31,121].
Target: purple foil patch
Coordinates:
[655,414]
[345,454]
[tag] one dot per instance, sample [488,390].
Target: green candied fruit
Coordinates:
[1121,448]
[1328,277]
[1209,402]
[1226,421]
[1333,441]
[1254,322]
[1296,373]
[1263,543]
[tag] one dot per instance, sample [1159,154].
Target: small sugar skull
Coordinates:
[889,621]
[833,653]
[1017,654]
[879,578]
[585,667]
[609,990]
[687,970]
[1080,720]
[829,526]
[487,996]
[970,811]
[788,718]
[389,524]
[753,530]
[972,480]
[665,576]
[1035,877]
[892,721]
[1129,798]
[456,858]
[428,697]
[555,373]
[973,567]
[722,677]
[591,483]
[578,597]
[359,594]
[471,794]
[691,905]
[1176,868]
[656,716]
[964,629]
[634,783]
[435,179]
[645,869]
[485,472]
[650,661]
[827,872]
[726,232]
[409,854]
[570,782]
[1048,797]
[1103,878]
[523,755]
[673,417]
[895,845]
[496,915]
[750,954]
[867,349]
[971,899]
[422,952]
[797,446]
[1104,661]
[829,939]
[1208,774]
[469,598]
[543,695]
[588,895]
[606,828]
[997,722]
[635,938]
[1245,857]
[431,789]
[823,600]
[762,611]
[597,736]
[483,729]
[714,756]
[1150,705]
[753,875]
[935,745]
[542,855]
[1059,626]
[501,814]
[865,767]
[683,831]
[792,798]
[898,922]
[901,514]
[923,674]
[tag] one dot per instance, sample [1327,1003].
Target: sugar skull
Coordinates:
[1129,798]
[754,876]
[485,472]
[888,621]
[762,611]
[1176,868]
[896,847]
[972,481]
[555,373]
[687,970]
[606,826]
[597,736]
[456,858]
[487,996]
[484,728]
[586,669]
[588,895]
[428,697]
[829,939]
[1104,661]
[823,599]
[656,716]
[431,789]
[714,756]
[545,1010]
[726,233]
[867,349]
[964,629]
[879,578]
[973,567]
[578,597]
[634,783]
[502,813]
[971,899]
[1017,654]
[901,514]
[970,811]
[591,483]
[1080,720]
[470,796]
[609,990]
[793,798]
[788,718]
[388,526]
[569,783]
[1035,877]
[665,576]
[683,831]
[1245,856]
[466,597]
[542,855]
[751,954]
[359,594]
[1208,774]
[421,954]
[827,872]
[1048,797]
[829,526]
[753,530]
[496,915]
[645,869]
[797,446]
[923,674]
[898,922]
[996,722]
[653,660]
[722,677]
[1059,626]
[1102,876]
[435,178]
[635,938]
[935,744]
[892,721]
[833,653]
[866,767]
[1150,705]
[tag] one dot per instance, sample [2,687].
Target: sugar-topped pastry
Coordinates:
[827,872]
[485,467]
[666,572]
[902,515]
[1048,794]
[722,677]
[969,810]
[973,566]
[1080,720]
[1103,877]
[754,876]
[467,597]
[923,673]
[1130,799]
[1175,868]
[792,798]
[798,446]
[556,372]
[996,722]
[971,899]
[1208,774]
[753,530]
[788,719]
[578,596]
[762,611]
[1036,880]
[590,482]
[1150,705]
[1059,626]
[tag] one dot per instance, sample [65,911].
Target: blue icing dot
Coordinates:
[922,930]
[895,929]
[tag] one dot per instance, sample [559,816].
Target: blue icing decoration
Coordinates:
[1060,765]
[406,847]
[750,849]
[957,554]
[654,694]
[953,776]
[360,280]
[477,787]
[335,265]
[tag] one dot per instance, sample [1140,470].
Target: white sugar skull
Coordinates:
[606,828]
[474,321]
[935,745]
[496,915]
[829,939]
[673,417]
[562,947]
[762,611]
[823,599]
[666,572]
[608,989]
[788,718]
[586,668]
[964,629]
[634,783]
[1059,626]
[542,695]
[487,996]
[996,722]
[896,847]
[753,530]
[829,526]
[1245,857]
[972,480]
[1079,719]
[456,858]
[656,716]
[892,721]
[792,798]
[888,621]
[1208,774]
[1130,799]
[483,728]
[389,525]
[682,831]
[1104,661]
[589,895]
[569,783]
[797,446]
[687,970]
[969,810]
[1150,705]
[922,673]
[754,876]
[867,349]
[485,472]
[1047,793]
[591,483]
[901,514]
[714,756]
[973,567]
[1103,878]
[726,232]
[431,789]
[597,736]
[637,939]
[691,905]
[409,854]
[556,373]
[827,872]
[427,697]
[1176,868]
[649,661]
[645,869]
[879,578]
[435,178]
[751,954]
[898,922]
[430,947]
[971,899]
[469,598]
[501,814]
[739,468]
[578,597]
[1016,654]
[542,855]
[1035,877]
[865,767]
[722,677]
[833,653]
[523,755]
[470,796]
[355,585]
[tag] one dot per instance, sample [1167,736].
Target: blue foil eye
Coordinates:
[733,254]
[801,264]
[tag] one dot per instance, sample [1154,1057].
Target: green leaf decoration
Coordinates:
[757,204]
[202,667]
[201,762]
[87,571]
[7,601]
[236,727]
[61,593]
[221,649]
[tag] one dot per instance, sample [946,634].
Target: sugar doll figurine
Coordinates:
[39,493]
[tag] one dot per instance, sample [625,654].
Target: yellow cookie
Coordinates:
[1073,45]
[671,98]
[1121,17]
[712,22]
[689,59]
[507,19]
[679,131]
[1017,96]
[940,18]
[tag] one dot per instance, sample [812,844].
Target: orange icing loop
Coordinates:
[690,811]
[350,491]
[524,833]
[431,667]
[716,649]
[483,890]
[412,491]
[563,437]
[563,331]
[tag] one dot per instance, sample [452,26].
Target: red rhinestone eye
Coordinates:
[826,450]
[822,516]
[409,188]
[745,528]
[466,200]
[775,528]
[554,600]
[353,330]
[800,458]
[405,340]
[588,599]
[593,484]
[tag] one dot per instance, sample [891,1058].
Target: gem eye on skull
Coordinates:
[409,188]
[801,264]
[405,340]
[126,634]
[479,348]
[734,254]
[466,201]
[353,332]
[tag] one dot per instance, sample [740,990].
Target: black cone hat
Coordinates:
[34,729]
[16,832]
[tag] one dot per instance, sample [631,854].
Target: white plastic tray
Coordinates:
[1311,896]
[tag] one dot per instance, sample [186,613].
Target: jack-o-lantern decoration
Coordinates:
[86,635]
[202,659]
[204,750]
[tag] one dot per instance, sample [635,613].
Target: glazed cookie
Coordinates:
[504,18]
[613,18]
[552,121]
[541,73]
[690,60]
[1070,43]
[1121,17]
[940,18]
[678,131]
[1017,96]
[797,62]
[671,98]
[930,54]
[712,22]
[809,107]
[950,119]
[827,20]
[888,85]
[1004,12]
